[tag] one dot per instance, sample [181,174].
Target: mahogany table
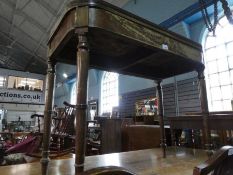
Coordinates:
[179,161]
[96,34]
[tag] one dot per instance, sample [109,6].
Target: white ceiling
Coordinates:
[24,29]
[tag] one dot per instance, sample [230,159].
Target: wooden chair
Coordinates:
[62,135]
[108,170]
[38,117]
[219,164]
[93,138]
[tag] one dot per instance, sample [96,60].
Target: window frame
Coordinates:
[215,81]
[73,94]
[112,89]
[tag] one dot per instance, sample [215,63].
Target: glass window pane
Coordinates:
[73,95]
[25,83]
[228,33]
[223,22]
[210,42]
[214,81]
[231,74]
[109,89]
[220,51]
[227,105]
[226,92]
[2,81]
[210,54]
[222,64]
[216,93]
[219,40]
[220,36]
[230,48]
[217,106]
[212,67]
[230,60]
[224,78]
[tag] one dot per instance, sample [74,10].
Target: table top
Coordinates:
[179,161]
[122,42]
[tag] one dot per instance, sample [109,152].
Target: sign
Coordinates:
[147,106]
[21,96]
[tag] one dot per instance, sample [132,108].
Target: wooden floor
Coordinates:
[179,161]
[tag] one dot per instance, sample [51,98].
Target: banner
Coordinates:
[21,96]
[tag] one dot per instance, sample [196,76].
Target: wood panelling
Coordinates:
[187,98]
[128,100]
[169,100]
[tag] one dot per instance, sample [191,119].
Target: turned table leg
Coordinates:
[81,108]
[161,117]
[48,116]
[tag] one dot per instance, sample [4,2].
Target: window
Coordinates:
[2,81]
[25,83]
[109,92]
[219,66]
[73,94]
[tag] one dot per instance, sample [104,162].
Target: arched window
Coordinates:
[73,94]
[109,91]
[218,51]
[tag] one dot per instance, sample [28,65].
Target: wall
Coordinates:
[15,109]
[197,31]
[130,83]
[7,72]
[157,11]
[62,93]
[63,87]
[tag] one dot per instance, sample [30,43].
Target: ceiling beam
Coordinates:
[9,62]
[51,23]
[21,31]
[189,11]
[47,6]
[24,15]
[13,17]
[29,51]
[28,1]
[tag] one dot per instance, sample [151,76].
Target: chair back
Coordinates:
[64,121]
[220,163]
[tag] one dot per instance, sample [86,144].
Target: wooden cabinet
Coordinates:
[110,135]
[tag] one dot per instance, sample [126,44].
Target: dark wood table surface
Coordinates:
[179,161]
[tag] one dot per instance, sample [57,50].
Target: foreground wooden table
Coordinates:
[179,161]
